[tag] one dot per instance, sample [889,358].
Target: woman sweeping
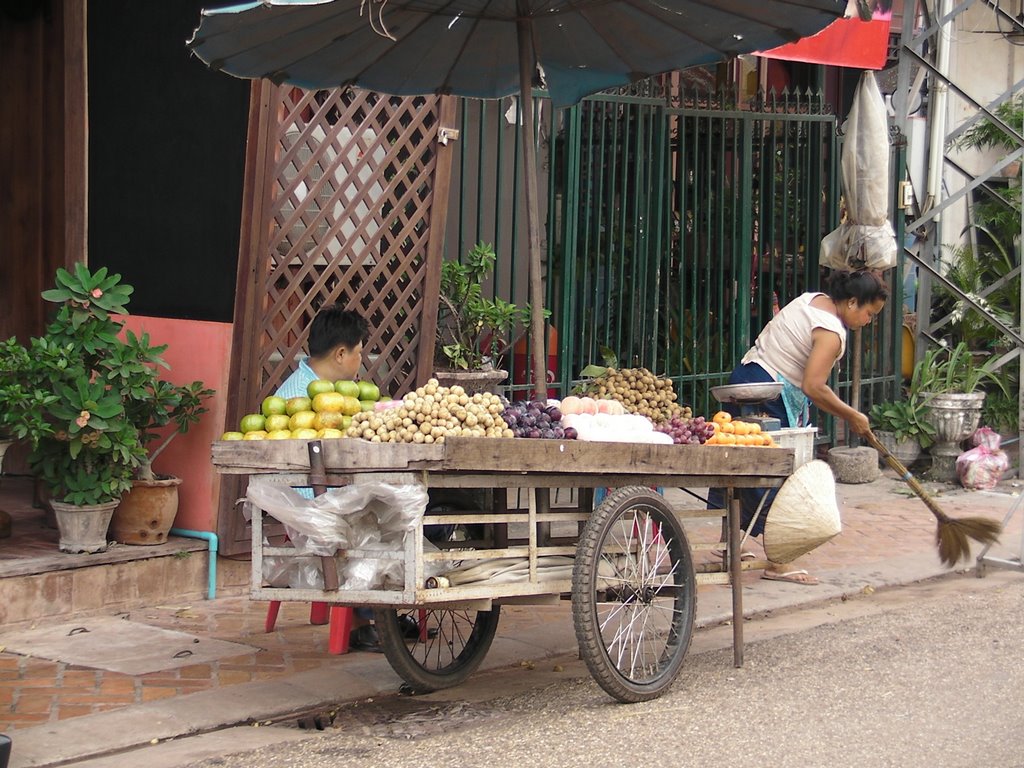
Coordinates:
[799,348]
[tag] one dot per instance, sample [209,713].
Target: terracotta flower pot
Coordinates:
[146,513]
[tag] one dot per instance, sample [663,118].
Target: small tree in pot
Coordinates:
[90,446]
[473,331]
[129,367]
[83,447]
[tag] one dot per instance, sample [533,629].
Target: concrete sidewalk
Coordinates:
[57,713]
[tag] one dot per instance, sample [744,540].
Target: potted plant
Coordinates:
[157,409]
[160,411]
[901,427]
[949,382]
[90,444]
[473,331]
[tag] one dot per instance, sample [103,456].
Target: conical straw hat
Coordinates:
[804,515]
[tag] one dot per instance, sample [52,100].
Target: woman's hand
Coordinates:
[859,423]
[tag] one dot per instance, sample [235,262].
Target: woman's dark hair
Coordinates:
[863,286]
[335,326]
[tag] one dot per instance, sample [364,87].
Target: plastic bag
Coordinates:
[985,436]
[292,572]
[374,516]
[342,518]
[981,468]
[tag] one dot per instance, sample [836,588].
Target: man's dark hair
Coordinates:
[334,326]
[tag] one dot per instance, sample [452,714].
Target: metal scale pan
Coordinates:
[749,395]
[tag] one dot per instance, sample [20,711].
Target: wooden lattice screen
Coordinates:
[345,202]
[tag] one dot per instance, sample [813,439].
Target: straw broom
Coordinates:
[952,533]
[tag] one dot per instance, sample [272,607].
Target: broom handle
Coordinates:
[905,475]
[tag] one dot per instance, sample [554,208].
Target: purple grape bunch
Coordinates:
[696,431]
[536,419]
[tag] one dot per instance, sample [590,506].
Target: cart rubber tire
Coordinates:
[615,593]
[454,644]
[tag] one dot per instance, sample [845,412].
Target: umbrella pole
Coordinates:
[532,209]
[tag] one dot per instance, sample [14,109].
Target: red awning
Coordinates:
[843,43]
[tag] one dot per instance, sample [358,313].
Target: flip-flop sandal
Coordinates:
[789,576]
[744,555]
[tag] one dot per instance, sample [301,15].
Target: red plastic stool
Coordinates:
[338,616]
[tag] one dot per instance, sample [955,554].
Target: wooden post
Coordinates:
[526,67]
[76,134]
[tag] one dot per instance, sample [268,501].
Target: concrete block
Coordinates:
[854,465]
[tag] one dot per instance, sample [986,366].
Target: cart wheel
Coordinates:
[450,645]
[633,595]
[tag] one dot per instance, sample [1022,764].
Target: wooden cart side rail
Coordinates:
[522,481]
[506,458]
[574,456]
[258,457]
[480,596]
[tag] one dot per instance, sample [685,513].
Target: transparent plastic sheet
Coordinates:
[292,572]
[373,516]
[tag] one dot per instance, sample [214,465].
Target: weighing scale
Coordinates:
[748,397]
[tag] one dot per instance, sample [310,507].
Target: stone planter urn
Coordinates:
[83,528]
[907,450]
[955,417]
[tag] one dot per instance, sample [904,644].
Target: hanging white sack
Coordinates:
[865,240]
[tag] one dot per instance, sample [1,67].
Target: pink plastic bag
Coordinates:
[985,436]
[981,468]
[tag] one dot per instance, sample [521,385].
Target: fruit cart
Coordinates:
[626,565]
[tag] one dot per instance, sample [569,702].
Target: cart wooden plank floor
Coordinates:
[626,565]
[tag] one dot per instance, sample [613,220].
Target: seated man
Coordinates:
[336,339]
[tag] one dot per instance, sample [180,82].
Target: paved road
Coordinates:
[926,675]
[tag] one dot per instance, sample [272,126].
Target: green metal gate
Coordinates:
[672,232]
[681,228]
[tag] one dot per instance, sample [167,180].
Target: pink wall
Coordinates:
[196,350]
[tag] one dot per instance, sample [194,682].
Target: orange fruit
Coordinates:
[722,417]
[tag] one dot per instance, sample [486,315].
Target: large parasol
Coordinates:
[494,48]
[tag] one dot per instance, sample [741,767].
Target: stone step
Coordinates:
[38,581]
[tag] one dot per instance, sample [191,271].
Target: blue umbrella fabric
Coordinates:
[471,47]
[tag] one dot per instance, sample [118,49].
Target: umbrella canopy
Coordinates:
[494,48]
[471,47]
[866,238]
